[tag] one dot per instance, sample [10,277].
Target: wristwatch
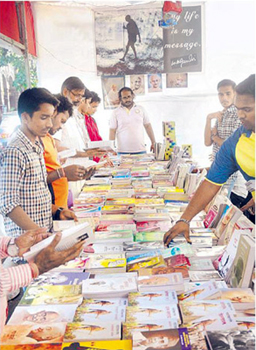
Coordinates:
[12,248]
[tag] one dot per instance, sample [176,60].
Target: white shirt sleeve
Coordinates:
[145,117]
[113,121]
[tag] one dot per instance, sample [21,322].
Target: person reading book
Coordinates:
[20,276]
[236,153]
[58,176]
[25,200]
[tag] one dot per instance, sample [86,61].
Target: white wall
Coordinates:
[65,43]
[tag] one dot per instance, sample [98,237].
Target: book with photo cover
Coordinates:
[56,277]
[235,340]
[87,314]
[207,290]
[93,331]
[42,314]
[177,339]
[148,325]
[214,321]
[172,281]
[33,334]
[52,295]
[104,302]
[69,237]
[152,298]
[155,312]
[242,298]
[242,268]
[191,310]
[204,275]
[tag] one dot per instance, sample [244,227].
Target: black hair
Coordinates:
[31,99]
[247,86]
[226,82]
[87,94]
[72,83]
[124,89]
[95,97]
[64,105]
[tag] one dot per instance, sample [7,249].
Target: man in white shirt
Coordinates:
[127,124]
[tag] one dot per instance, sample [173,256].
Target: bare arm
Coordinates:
[219,141]
[202,197]
[208,132]
[21,219]
[112,134]
[150,132]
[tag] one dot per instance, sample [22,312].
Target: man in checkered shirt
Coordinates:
[226,122]
[25,201]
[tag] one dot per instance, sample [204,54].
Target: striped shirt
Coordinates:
[12,278]
[23,182]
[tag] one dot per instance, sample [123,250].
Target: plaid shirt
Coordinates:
[23,182]
[230,123]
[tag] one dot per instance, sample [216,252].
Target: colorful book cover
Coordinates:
[104,302]
[204,275]
[147,325]
[241,298]
[174,280]
[60,278]
[33,334]
[177,339]
[105,260]
[43,314]
[149,236]
[191,310]
[208,290]
[87,314]
[152,298]
[93,331]
[99,345]
[52,295]
[145,226]
[155,312]
[245,323]
[145,263]
[164,270]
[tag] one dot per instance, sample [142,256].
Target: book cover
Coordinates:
[33,334]
[104,302]
[242,268]
[164,270]
[109,286]
[213,321]
[241,298]
[145,226]
[105,261]
[69,237]
[60,278]
[152,298]
[208,290]
[147,325]
[235,340]
[150,283]
[204,275]
[87,314]
[43,314]
[52,295]
[191,310]
[41,346]
[176,339]
[201,265]
[149,236]
[92,331]
[155,312]
[245,323]
[101,344]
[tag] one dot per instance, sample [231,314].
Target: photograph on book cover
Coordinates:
[129,41]
[110,87]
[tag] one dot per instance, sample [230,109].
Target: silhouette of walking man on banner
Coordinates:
[133,32]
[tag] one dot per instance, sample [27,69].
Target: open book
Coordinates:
[108,145]
[70,236]
[85,162]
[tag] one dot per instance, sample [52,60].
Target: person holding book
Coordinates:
[226,122]
[236,153]
[16,277]
[25,200]
[58,176]
[127,124]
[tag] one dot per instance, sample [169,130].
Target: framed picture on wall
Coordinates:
[137,84]
[110,87]
[177,80]
[155,83]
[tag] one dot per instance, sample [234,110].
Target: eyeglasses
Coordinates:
[79,96]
